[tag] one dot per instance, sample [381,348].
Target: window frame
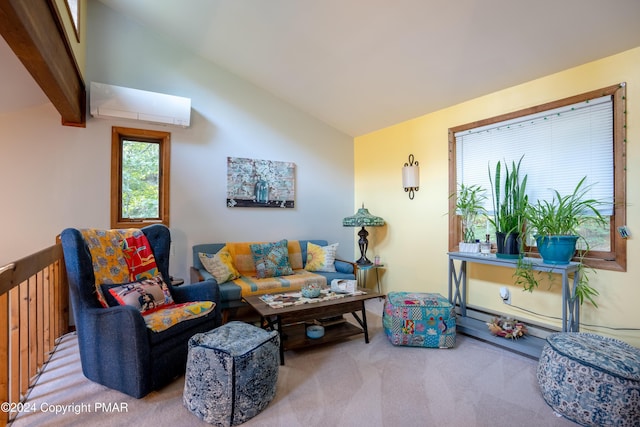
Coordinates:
[73,9]
[616,258]
[118,134]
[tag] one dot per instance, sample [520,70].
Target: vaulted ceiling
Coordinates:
[361,65]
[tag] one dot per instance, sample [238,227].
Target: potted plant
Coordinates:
[509,208]
[556,226]
[556,223]
[469,203]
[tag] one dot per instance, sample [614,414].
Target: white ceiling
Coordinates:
[361,65]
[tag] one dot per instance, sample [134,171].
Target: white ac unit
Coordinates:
[108,101]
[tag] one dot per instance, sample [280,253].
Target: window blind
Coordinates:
[558,148]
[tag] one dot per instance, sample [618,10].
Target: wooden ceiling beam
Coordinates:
[34,33]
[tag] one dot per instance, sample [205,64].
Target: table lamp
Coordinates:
[363,218]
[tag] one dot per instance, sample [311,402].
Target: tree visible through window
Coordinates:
[140,177]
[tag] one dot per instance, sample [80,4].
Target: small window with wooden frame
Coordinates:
[140,177]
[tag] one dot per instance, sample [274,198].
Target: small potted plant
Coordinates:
[557,223]
[556,226]
[469,203]
[510,202]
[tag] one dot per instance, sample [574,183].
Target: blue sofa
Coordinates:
[230,293]
[117,350]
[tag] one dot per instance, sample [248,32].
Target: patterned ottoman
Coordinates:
[419,320]
[231,373]
[590,379]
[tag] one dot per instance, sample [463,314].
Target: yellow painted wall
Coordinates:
[413,245]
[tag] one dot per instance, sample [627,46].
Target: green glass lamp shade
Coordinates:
[363,218]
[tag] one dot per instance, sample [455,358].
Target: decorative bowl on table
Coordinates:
[315,331]
[311,290]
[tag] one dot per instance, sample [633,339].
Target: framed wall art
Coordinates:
[254,183]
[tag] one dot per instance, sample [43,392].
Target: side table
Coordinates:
[363,271]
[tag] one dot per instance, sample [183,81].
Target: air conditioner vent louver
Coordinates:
[116,102]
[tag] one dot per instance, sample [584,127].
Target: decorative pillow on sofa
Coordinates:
[220,265]
[321,258]
[145,295]
[271,259]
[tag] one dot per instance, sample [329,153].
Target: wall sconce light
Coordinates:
[411,177]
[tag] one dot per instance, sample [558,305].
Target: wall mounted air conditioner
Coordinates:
[116,102]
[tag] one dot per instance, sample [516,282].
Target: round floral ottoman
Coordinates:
[590,379]
[231,373]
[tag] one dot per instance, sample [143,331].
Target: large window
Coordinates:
[139,177]
[559,143]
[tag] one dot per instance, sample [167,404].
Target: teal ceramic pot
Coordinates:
[556,250]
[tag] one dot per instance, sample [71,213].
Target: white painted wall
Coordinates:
[54,177]
[51,177]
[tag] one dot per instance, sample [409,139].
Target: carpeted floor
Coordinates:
[349,383]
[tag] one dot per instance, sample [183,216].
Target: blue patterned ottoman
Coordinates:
[590,379]
[231,373]
[419,320]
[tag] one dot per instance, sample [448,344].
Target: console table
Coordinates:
[458,289]
[570,304]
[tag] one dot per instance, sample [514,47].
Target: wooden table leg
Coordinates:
[362,322]
[364,326]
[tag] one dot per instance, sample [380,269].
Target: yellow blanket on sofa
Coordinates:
[251,285]
[243,258]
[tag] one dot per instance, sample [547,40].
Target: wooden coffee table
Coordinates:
[289,321]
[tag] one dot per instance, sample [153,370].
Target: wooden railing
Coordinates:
[34,313]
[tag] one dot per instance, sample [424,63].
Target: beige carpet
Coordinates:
[343,384]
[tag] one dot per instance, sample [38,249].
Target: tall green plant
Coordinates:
[509,198]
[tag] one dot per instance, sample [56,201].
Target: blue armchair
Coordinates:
[117,349]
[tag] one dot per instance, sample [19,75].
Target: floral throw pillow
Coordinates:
[321,258]
[146,295]
[271,259]
[220,265]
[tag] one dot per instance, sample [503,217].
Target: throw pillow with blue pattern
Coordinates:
[271,259]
